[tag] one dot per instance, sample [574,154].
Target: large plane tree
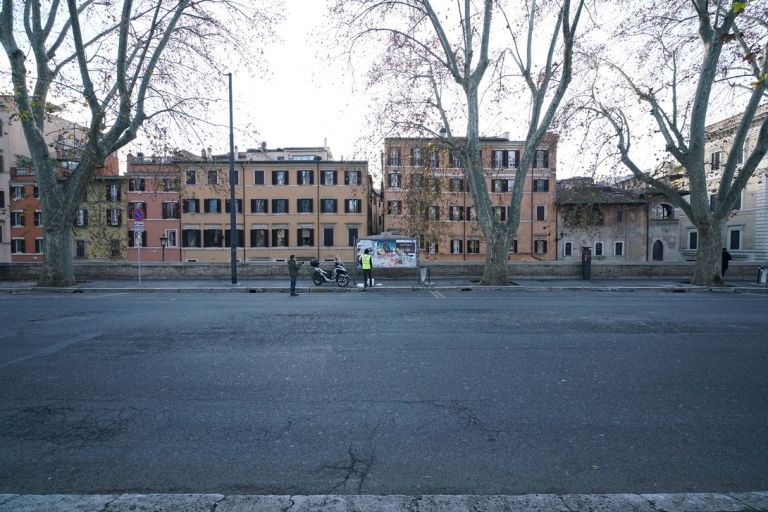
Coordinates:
[695,62]
[438,62]
[125,63]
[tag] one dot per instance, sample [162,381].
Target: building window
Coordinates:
[279,206]
[170,184]
[618,249]
[113,192]
[432,248]
[81,249]
[394,208]
[170,235]
[191,177]
[540,185]
[505,159]
[280,237]
[17,246]
[327,237]
[81,217]
[500,185]
[473,246]
[171,210]
[17,219]
[712,202]
[212,205]
[238,205]
[541,159]
[137,241]
[619,216]
[39,245]
[329,177]
[191,205]
[540,246]
[306,177]
[212,237]
[259,238]
[541,212]
[456,161]
[663,211]
[457,246]
[136,185]
[38,219]
[17,193]
[394,156]
[328,205]
[240,237]
[2,198]
[416,156]
[500,213]
[280,177]
[352,178]
[259,206]
[258,177]
[693,239]
[456,213]
[433,213]
[114,217]
[36,192]
[304,205]
[598,248]
[734,239]
[393,180]
[353,206]
[137,205]
[434,160]
[213,177]
[567,249]
[190,237]
[456,185]
[715,160]
[737,205]
[352,235]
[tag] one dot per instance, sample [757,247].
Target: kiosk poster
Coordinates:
[390,252]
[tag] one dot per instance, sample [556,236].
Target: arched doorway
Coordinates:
[658,251]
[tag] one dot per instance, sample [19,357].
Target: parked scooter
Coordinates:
[338,274]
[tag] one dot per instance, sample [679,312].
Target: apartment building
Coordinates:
[746,232]
[153,187]
[301,205]
[426,195]
[100,223]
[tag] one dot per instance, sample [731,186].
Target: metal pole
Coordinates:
[232,204]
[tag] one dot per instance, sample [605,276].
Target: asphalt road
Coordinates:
[476,392]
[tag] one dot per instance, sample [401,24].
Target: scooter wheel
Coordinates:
[342,280]
[317,281]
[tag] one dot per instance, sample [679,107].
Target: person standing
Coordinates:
[367,263]
[293,271]
[726,257]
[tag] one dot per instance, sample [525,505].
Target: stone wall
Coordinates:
[86,271]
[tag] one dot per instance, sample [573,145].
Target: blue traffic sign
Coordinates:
[138,214]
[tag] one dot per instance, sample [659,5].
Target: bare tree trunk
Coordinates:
[496,250]
[57,267]
[708,258]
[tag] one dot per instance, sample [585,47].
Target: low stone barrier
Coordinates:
[86,271]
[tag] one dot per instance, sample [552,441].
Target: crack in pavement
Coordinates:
[358,466]
[465,415]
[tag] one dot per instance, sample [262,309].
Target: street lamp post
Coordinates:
[163,243]
[232,204]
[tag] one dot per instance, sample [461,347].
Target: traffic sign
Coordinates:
[138,227]
[138,214]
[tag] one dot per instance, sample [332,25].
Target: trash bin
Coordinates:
[586,263]
[424,274]
[762,275]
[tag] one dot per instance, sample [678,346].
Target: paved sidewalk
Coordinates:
[389,284]
[701,502]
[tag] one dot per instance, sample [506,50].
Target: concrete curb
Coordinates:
[698,502]
[384,289]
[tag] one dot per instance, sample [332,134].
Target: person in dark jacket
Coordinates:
[726,257]
[293,271]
